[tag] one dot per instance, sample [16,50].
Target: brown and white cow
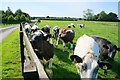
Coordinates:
[66,35]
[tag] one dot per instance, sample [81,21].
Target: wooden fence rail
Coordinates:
[35,64]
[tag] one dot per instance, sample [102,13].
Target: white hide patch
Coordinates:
[48,26]
[40,32]
[70,31]
[34,27]
[27,26]
[84,45]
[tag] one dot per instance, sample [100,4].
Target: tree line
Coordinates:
[9,17]
[57,18]
[102,16]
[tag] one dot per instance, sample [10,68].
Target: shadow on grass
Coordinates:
[61,73]
[116,68]
[62,56]
[114,72]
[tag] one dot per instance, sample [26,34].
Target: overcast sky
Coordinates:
[61,8]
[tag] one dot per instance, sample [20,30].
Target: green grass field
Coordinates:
[62,65]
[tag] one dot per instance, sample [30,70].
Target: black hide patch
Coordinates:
[103,63]
[77,58]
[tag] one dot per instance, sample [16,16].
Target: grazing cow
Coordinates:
[43,48]
[46,29]
[86,56]
[55,32]
[71,25]
[81,25]
[107,49]
[28,29]
[35,27]
[47,35]
[67,36]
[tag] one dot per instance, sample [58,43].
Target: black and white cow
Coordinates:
[46,29]
[86,57]
[107,49]
[55,32]
[43,48]
[71,25]
[81,25]
[27,28]
[35,27]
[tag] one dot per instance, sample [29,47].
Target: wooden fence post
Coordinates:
[22,47]
[21,27]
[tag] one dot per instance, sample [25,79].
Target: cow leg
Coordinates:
[64,49]
[50,66]
[71,47]
[57,41]
[50,63]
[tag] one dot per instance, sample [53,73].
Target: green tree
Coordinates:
[18,12]
[2,12]
[47,16]
[9,12]
[22,17]
[27,19]
[17,17]
[10,18]
[39,20]
[112,16]
[88,14]
[3,16]
[102,16]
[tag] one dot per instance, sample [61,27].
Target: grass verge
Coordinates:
[6,25]
[11,63]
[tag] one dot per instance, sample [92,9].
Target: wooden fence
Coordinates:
[32,68]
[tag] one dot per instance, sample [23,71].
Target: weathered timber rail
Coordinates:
[32,68]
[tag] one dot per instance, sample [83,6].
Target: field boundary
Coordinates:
[104,23]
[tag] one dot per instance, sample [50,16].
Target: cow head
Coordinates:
[108,51]
[45,37]
[112,51]
[87,67]
[72,25]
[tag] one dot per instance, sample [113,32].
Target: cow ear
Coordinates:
[102,64]
[76,58]
[42,29]
[105,46]
[118,49]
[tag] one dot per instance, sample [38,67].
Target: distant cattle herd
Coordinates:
[86,53]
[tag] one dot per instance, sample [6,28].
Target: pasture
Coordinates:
[62,65]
